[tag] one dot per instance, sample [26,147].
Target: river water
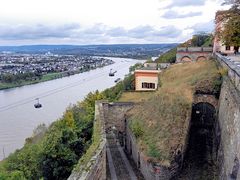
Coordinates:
[18,117]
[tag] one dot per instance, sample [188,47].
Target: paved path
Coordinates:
[235,59]
[118,163]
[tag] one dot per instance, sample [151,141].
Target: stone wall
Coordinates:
[233,69]
[229,122]
[96,167]
[193,53]
[150,171]
[114,114]
[206,98]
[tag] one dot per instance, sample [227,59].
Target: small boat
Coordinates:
[37,105]
[117,80]
[111,73]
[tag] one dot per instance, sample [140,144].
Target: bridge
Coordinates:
[188,54]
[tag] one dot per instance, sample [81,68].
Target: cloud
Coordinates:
[96,34]
[181,3]
[171,14]
[39,31]
[148,31]
[207,27]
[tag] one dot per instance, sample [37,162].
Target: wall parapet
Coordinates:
[194,49]
[92,165]
[233,69]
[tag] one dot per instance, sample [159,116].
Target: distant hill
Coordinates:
[35,48]
[142,51]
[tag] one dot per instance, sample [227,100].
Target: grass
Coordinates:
[208,42]
[164,114]
[168,57]
[134,96]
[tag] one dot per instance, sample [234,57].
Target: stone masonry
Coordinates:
[229,120]
[188,54]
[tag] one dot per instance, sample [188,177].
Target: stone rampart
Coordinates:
[233,69]
[229,121]
[95,168]
[150,170]
[114,114]
[188,54]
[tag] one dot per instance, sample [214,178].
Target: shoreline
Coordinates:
[77,92]
[46,77]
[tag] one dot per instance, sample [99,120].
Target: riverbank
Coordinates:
[45,77]
[54,151]
[19,117]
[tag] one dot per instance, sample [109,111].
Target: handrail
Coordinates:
[229,63]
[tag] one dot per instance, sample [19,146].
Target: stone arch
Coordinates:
[207,98]
[203,114]
[200,151]
[201,58]
[186,59]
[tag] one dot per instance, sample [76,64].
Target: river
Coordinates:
[18,117]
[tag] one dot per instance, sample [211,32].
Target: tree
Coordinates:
[25,162]
[230,33]
[57,157]
[199,39]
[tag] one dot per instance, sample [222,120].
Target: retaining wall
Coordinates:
[95,169]
[150,171]
[229,121]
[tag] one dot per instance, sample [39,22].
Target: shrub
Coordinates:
[153,151]
[137,129]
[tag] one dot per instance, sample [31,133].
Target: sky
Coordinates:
[81,22]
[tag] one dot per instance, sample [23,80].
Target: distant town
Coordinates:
[11,63]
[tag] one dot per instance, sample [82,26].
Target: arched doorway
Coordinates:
[201,58]
[199,161]
[186,59]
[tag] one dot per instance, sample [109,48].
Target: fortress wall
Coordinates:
[229,121]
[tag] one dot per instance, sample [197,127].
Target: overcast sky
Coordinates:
[104,21]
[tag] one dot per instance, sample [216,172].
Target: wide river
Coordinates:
[18,117]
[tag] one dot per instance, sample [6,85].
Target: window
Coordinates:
[148,85]
[228,48]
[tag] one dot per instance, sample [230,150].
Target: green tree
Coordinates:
[230,34]
[25,161]
[57,157]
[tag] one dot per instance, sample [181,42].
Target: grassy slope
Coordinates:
[168,57]
[164,115]
[208,42]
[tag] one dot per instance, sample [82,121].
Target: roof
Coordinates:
[147,70]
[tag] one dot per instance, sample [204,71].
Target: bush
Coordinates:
[137,128]
[153,151]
